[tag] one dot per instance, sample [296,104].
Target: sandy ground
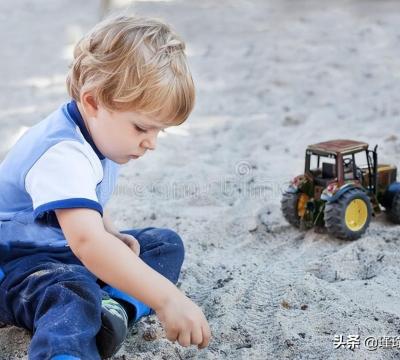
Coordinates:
[272,77]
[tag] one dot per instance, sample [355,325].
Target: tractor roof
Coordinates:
[338,147]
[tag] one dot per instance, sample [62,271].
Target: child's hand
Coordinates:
[184,321]
[129,240]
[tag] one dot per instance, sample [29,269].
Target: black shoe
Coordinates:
[114,327]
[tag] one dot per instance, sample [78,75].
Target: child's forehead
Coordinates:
[149,120]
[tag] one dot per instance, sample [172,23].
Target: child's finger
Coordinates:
[184,338]
[197,336]
[132,243]
[206,336]
[135,247]
[172,335]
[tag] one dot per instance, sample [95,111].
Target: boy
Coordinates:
[67,274]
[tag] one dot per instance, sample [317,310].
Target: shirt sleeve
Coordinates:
[65,176]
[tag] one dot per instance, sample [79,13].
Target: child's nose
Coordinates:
[149,144]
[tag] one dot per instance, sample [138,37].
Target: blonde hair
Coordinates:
[132,63]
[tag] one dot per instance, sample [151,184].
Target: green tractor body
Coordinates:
[342,187]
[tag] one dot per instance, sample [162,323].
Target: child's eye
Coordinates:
[139,129]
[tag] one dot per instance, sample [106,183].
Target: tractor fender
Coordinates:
[292,190]
[389,194]
[300,183]
[294,184]
[344,189]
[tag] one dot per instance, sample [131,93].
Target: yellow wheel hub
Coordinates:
[356,214]
[301,204]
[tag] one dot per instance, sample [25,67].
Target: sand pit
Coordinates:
[272,77]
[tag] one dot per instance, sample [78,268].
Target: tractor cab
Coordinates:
[340,162]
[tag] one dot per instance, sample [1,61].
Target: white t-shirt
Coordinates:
[54,165]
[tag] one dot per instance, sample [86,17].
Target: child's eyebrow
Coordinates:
[155,128]
[144,124]
[152,127]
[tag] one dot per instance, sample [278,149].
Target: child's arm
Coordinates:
[108,223]
[126,238]
[111,261]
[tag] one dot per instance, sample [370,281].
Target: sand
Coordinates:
[272,77]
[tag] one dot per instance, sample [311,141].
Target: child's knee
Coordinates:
[173,239]
[76,281]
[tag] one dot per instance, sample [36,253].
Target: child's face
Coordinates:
[122,135]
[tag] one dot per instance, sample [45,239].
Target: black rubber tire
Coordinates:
[289,208]
[334,215]
[394,210]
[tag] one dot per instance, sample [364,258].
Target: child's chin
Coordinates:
[122,160]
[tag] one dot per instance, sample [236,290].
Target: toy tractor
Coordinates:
[342,187]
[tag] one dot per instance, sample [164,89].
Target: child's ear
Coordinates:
[89,104]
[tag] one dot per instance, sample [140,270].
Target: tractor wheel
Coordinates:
[394,211]
[293,207]
[348,217]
